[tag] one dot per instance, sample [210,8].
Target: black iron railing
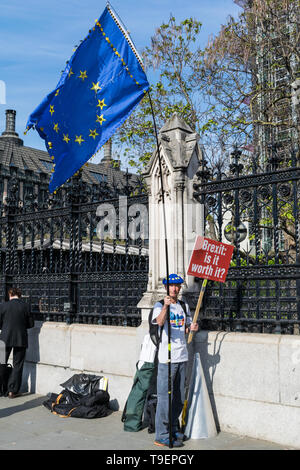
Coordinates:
[255,207]
[67,267]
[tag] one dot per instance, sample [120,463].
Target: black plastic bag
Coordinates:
[82,384]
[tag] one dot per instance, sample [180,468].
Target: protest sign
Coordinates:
[210,259]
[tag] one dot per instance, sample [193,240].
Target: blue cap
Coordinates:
[173,279]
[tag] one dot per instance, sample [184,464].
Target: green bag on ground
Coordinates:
[132,416]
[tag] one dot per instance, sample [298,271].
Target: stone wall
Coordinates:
[253,379]
[57,351]
[254,383]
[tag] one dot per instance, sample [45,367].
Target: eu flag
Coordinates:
[102,83]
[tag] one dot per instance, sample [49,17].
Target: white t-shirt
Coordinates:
[178,321]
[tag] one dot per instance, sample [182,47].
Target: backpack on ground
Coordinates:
[132,416]
[150,404]
[69,404]
[83,396]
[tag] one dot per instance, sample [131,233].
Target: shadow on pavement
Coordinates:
[10,410]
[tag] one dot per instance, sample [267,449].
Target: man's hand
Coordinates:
[161,318]
[194,327]
[167,300]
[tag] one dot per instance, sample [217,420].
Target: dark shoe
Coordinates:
[166,443]
[13,395]
[179,436]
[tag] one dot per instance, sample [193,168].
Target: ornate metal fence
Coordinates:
[257,209]
[51,248]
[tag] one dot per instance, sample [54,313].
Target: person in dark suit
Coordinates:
[15,319]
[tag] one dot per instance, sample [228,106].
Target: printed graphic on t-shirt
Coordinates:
[176,321]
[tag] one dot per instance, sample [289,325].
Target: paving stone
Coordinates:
[25,424]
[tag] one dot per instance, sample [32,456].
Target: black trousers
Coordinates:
[15,379]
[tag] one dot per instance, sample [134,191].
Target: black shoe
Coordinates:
[179,436]
[13,395]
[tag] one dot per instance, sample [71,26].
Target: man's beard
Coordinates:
[174,296]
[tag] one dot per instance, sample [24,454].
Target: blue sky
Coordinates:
[37,38]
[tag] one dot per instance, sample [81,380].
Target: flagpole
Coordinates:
[167,272]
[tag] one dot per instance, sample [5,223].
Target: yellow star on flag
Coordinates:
[93,133]
[66,138]
[51,111]
[70,72]
[101,104]
[56,128]
[100,119]
[82,75]
[79,139]
[95,87]
[57,91]
[50,145]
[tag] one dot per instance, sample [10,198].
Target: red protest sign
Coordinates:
[210,259]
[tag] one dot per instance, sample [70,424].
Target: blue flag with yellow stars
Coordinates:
[103,82]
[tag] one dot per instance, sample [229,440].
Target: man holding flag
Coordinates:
[101,85]
[180,323]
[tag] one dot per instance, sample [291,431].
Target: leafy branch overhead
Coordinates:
[238,86]
[171,61]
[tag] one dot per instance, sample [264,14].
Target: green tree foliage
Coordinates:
[237,90]
[172,60]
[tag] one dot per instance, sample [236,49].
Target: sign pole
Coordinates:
[190,337]
[199,303]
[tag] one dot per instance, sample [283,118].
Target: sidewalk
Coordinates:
[25,424]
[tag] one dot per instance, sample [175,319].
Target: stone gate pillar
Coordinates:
[181,156]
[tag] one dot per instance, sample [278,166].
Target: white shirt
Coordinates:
[178,321]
